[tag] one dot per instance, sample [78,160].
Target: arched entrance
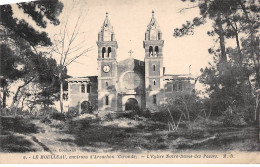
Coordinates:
[131,104]
[85,107]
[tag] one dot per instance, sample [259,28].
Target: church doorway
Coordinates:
[85,107]
[131,104]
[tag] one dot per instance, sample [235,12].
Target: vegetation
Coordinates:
[230,109]
[233,81]
[22,62]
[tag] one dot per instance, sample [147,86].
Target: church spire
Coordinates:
[153,31]
[106,33]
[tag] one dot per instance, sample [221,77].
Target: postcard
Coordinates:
[130,81]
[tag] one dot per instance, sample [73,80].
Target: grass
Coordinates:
[13,143]
[12,138]
[17,125]
[131,135]
[120,134]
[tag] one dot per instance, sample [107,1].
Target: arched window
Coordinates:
[156,50]
[88,88]
[150,51]
[154,82]
[103,52]
[109,52]
[106,83]
[154,67]
[82,88]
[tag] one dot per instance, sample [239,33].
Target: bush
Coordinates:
[144,113]
[161,116]
[109,117]
[57,124]
[45,120]
[132,114]
[239,116]
[58,116]
[47,111]
[73,111]
[129,114]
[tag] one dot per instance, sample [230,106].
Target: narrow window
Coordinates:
[159,36]
[153,67]
[109,52]
[154,82]
[106,83]
[82,88]
[107,100]
[154,99]
[103,52]
[150,51]
[88,88]
[112,37]
[156,50]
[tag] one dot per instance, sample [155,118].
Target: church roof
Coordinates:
[130,59]
[179,77]
[154,23]
[82,79]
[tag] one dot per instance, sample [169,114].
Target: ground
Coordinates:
[88,133]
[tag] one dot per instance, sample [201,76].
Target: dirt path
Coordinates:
[52,140]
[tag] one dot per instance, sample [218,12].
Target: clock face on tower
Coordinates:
[106,68]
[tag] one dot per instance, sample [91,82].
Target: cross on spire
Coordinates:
[130,52]
[153,13]
[106,14]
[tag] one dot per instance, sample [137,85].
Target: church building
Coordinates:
[131,83]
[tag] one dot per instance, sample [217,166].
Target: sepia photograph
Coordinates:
[130,81]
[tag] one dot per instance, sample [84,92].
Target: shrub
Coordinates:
[238,117]
[73,111]
[161,116]
[144,113]
[109,117]
[58,116]
[129,114]
[47,111]
[45,120]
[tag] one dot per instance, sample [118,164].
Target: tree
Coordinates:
[230,82]
[23,39]
[47,79]
[182,109]
[68,47]
[39,11]
[8,71]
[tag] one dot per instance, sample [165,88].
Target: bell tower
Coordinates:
[107,66]
[153,45]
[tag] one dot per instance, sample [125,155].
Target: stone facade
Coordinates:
[130,83]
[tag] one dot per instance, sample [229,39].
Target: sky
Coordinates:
[129,19]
